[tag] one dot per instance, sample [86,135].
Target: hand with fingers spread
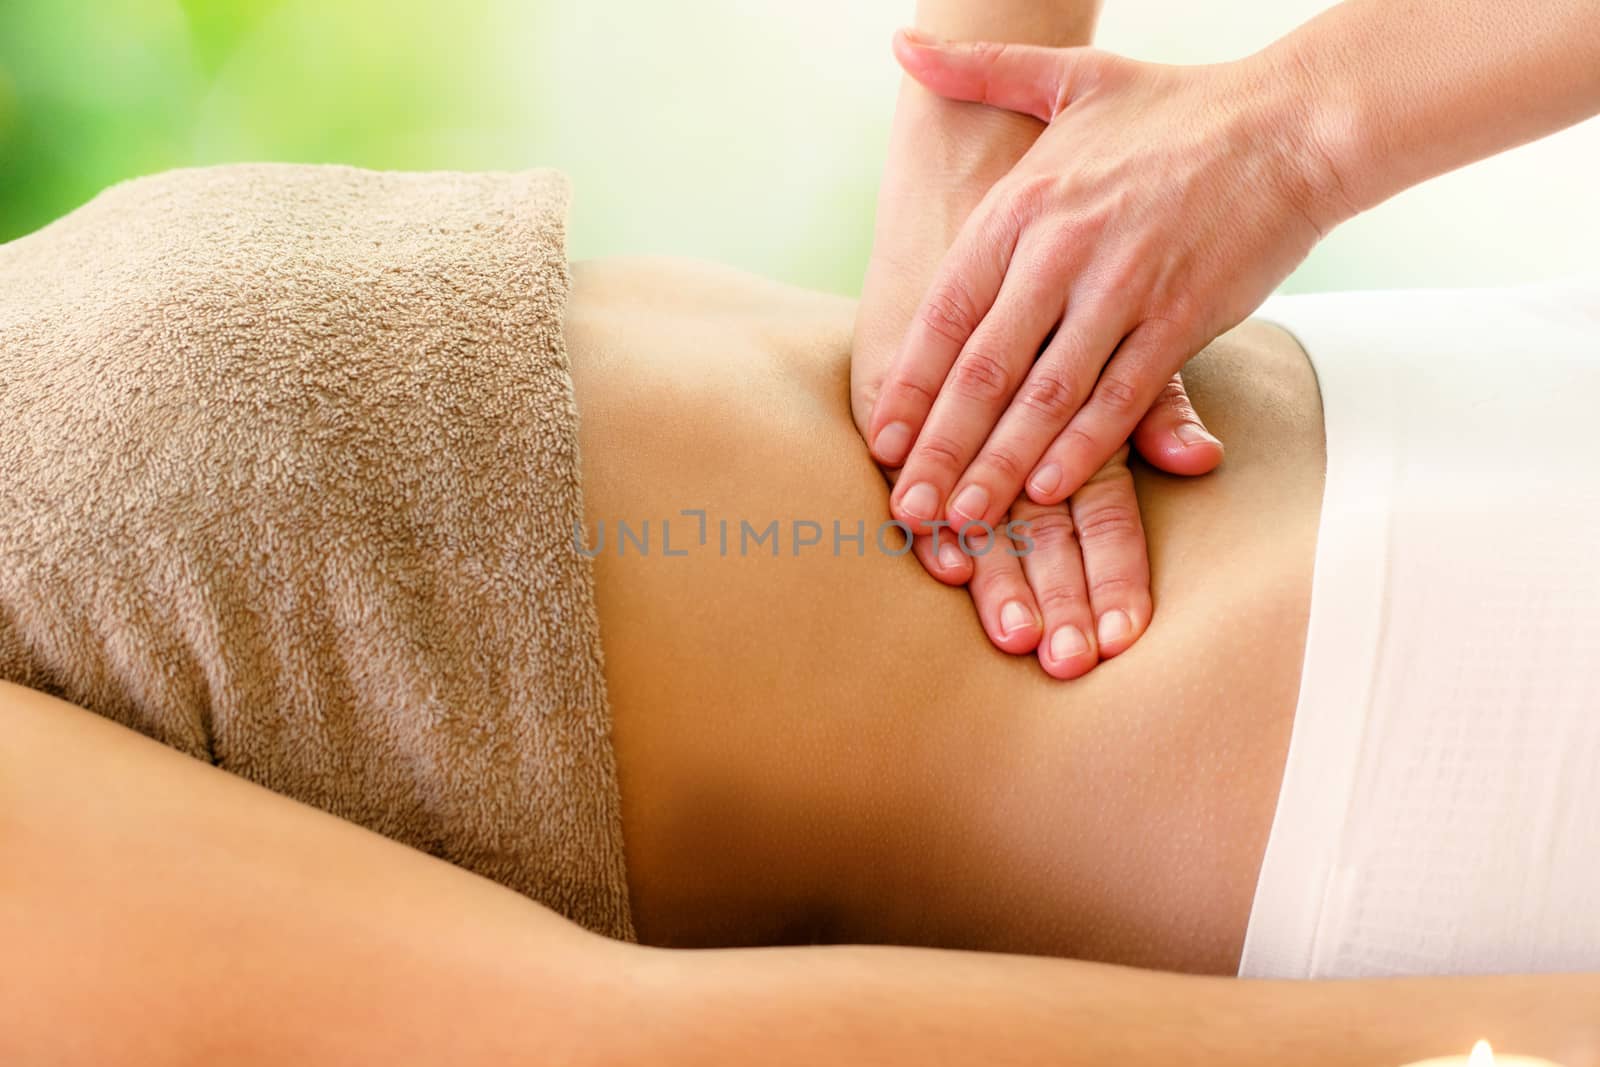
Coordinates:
[1155,210]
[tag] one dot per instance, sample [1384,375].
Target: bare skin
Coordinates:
[158,911]
[825,748]
[943,159]
[1164,203]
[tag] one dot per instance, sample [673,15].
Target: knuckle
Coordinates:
[1180,316]
[980,376]
[1120,396]
[1061,600]
[991,56]
[1072,442]
[950,312]
[1114,587]
[1005,465]
[1172,394]
[1099,69]
[1031,194]
[1050,396]
[914,394]
[988,51]
[1057,259]
[1109,522]
[993,585]
[940,451]
[865,392]
[1053,529]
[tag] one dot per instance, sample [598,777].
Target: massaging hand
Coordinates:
[1069,581]
[1093,574]
[1081,593]
[1155,211]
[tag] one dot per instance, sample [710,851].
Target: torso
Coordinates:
[826,747]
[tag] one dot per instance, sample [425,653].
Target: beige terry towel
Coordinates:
[288,479]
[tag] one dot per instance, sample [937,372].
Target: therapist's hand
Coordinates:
[1086,565]
[1157,209]
[1080,568]
[1068,583]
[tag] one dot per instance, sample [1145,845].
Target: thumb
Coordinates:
[1171,436]
[1016,77]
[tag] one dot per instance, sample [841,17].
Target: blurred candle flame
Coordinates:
[1482,1055]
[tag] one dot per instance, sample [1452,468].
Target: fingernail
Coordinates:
[1068,642]
[1191,434]
[894,440]
[949,556]
[1014,616]
[916,36]
[1114,626]
[920,501]
[971,502]
[1046,480]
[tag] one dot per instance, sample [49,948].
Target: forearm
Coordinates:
[1401,90]
[943,157]
[1055,24]
[155,910]
[965,144]
[908,1006]
[972,129]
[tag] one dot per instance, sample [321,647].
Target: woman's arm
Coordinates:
[155,910]
[920,1006]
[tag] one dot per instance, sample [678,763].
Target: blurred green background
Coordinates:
[746,131]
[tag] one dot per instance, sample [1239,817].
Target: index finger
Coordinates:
[1138,370]
[962,293]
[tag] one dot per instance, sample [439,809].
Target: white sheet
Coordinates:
[1440,809]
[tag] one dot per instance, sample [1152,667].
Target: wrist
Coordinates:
[1314,121]
[957,143]
[943,158]
[1052,25]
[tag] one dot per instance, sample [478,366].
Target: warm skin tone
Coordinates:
[1163,203]
[922,788]
[155,910]
[1089,591]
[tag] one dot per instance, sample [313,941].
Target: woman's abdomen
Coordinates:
[815,739]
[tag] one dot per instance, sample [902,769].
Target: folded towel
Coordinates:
[288,474]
